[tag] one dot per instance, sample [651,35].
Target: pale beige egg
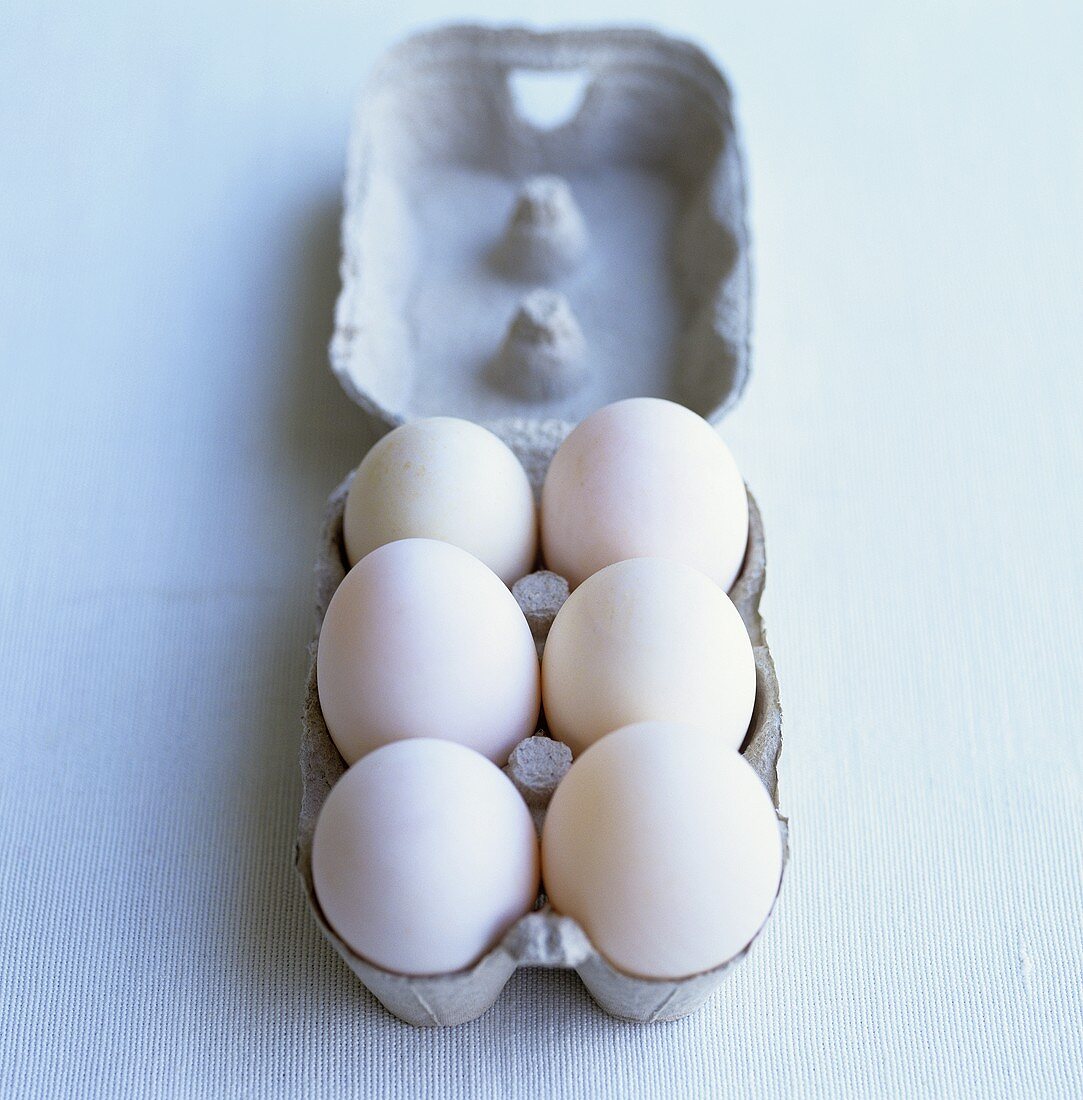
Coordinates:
[644,639]
[423,640]
[665,847]
[423,857]
[448,479]
[644,478]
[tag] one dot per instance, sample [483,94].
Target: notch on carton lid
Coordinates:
[505,259]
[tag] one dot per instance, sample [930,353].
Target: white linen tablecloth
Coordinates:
[169,196]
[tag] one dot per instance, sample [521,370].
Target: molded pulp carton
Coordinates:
[521,270]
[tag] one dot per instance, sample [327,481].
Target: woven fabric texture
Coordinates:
[169,430]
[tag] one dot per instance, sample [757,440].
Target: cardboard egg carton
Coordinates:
[522,265]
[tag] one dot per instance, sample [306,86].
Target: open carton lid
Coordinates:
[539,223]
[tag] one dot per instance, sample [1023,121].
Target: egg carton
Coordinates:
[520,253]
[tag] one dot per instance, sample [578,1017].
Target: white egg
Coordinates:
[422,640]
[644,478]
[664,846]
[446,479]
[648,639]
[424,855]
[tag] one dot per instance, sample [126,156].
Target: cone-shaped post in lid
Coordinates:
[546,235]
[543,355]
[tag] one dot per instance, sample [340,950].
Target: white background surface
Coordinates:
[169,180]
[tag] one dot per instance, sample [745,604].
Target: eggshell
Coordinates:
[644,478]
[448,479]
[647,639]
[423,640]
[424,855]
[664,846]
